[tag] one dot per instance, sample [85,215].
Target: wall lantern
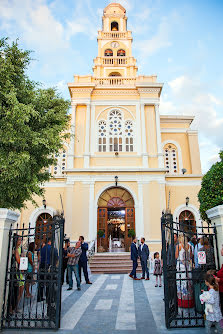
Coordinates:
[187,201]
[116,181]
[184,170]
[44,203]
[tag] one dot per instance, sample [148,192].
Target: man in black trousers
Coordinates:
[134,258]
[143,252]
[83,260]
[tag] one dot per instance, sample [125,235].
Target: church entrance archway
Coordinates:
[116,220]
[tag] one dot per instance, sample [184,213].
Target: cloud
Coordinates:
[159,41]
[192,97]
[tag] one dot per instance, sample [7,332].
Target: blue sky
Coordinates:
[180,41]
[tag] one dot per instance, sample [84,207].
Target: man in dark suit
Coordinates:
[83,260]
[143,252]
[134,257]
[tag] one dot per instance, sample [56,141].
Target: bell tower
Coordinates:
[114,45]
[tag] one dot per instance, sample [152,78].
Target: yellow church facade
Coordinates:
[125,163]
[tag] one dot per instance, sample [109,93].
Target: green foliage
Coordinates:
[131,233]
[211,193]
[100,233]
[32,126]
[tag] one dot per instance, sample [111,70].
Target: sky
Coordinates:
[179,41]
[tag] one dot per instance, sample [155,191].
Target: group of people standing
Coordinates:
[74,260]
[142,252]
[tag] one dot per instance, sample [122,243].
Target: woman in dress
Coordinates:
[31,268]
[20,277]
[183,276]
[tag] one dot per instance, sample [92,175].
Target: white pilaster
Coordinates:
[138,130]
[143,132]
[92,232]
[140,214]
[93,130]
[70,153]
[158,138]
[87,137]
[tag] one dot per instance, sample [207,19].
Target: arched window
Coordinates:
[114,26]
[60,166]
[114,74]
[129,136]
[187,221]
[102,136]
[121,53]
[108,53]
[115,131]
[43,228]
[170,158]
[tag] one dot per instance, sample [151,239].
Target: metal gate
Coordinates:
[183,275]
[32,293]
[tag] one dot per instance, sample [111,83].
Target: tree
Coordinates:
[33,127]
[211,193]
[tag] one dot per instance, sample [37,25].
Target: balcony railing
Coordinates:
[115,60]
[114,34]
[115,81]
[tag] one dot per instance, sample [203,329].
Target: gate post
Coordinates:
[7,218]
[164,257]
[216,216]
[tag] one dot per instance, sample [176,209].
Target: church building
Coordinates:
[126,163]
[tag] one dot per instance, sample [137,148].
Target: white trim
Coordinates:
[70,151]
[117,103]
[113,105]
[143,135]
[117,169]
[179,152]
[93,137]
[169,130]
[7,214]
[110,178]
[91,232]
[87,136]
[139,227]
[189,207]
[138,130]
[158,137]
[35,214]
[215,212]
[184,183]
[54,185]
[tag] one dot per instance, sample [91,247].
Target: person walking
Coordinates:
[134,258]
[143,252]
[83,260]
[74,254]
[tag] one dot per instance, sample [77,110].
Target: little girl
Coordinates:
[216,316]
[157,268]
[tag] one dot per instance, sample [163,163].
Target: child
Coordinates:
[216,316]
[157,268]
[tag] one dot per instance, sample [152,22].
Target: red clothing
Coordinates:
[220,275]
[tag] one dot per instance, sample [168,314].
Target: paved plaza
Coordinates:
[114,304]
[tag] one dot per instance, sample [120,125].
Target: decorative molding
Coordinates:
[148,101]
[6,214]
[116,169]
[81,91]
[149,90]
[115,92]
[116,107]
[35,214]
[172,130]
[176,119]
[57,184]
[189,207]
[184,183]
[215,212]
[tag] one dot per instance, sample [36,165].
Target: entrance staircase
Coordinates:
[112,263]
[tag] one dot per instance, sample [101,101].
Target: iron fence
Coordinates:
[32,292]
[183,273]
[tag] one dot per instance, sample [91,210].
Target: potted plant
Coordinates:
[131,233]
[100,235]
